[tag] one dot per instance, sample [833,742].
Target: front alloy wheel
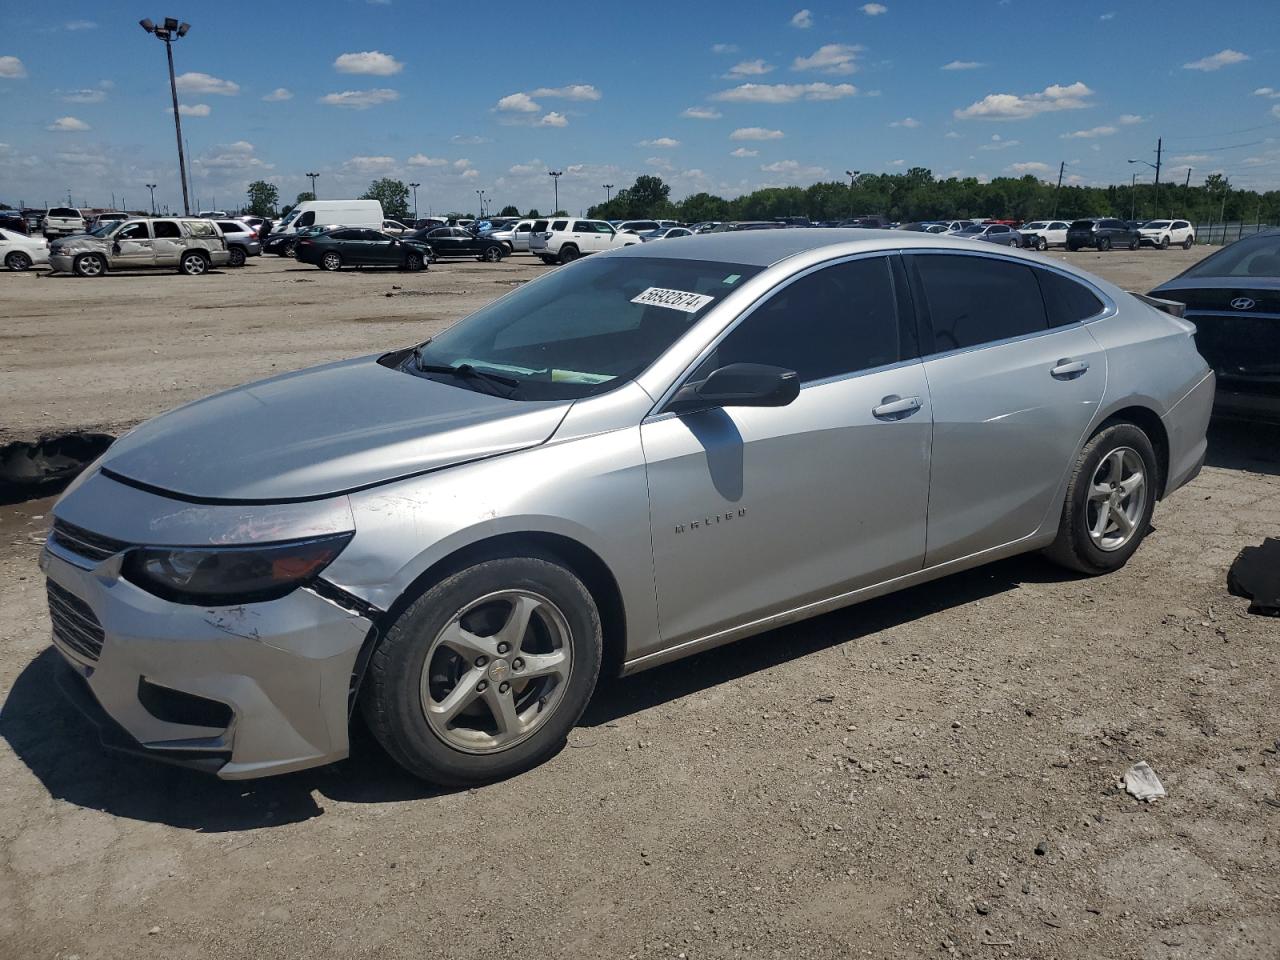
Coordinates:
[90,265]
[18,261]
[1042,243]
[331,261]
[492,254]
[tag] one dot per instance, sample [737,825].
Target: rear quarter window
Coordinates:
[1066,300]
[201,228]
[560,225]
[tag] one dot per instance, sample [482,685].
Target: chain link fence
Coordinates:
[1220,234]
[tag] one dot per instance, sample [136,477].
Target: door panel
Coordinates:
[758,510]
[1006,430]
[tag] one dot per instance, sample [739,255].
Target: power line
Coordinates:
[1227,133]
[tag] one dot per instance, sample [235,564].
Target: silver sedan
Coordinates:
[650,453]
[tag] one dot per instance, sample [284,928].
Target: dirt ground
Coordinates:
[928,774]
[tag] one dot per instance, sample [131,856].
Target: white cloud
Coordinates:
[1268,92]
[88,95]
[701,113]
[803,20]
[75,25]
[999,143]
[963,65]
[518,103]
[749,68]
[68,125]
[370,62]
[1129,119]
[235,157]
[744,152]
[785,92]
[1275,111]
[909,122]
[756,133]
[468,139]
[1025,168]
[364,165]
[422,160]
[896,163]
[951,135]
[1107,16]
[829,58]
[1223,58]
[204,83]
[662,163]
[575,91]
[1009,106]
[794,170]
[278,95]
[191,110]
[724,48]
[360,99]
[11,68]
[463,164]
[873,9]
[664,143]
[553,119]
[1090,134]
[470,174]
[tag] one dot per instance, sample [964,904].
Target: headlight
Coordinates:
[223,575]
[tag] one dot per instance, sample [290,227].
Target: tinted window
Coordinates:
[345,235]
[133,231]
[1065,300]
[1180,225]
[998,228]
[540,225]
[232,226]
[560,225]
[1082,225]
[584,226]
[975,300]
[166,229]
[1057,225]
[377,236]
[838,320]
[63,212]
[307,219]
[1113,224]
[523,228]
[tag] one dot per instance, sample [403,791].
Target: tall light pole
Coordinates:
[415,199]
[1155,208]
[313,177]
[1133,196]
[152,188]
[1062,168]
[608,188]
[480,194]
[555,176]
[853,176]
[170,31]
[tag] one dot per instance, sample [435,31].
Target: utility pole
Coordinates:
[313,185]
[1062,167]
[1155,207]
[853,178]
[555,176]
[415,187]
[1133,196]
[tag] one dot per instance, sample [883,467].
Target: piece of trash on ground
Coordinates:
[1141,782]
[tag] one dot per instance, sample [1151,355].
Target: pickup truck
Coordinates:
[63,222]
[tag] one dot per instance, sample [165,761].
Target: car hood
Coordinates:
[323,431]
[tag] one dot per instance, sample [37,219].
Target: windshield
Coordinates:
[582,330]
[1254,257]
[292,216]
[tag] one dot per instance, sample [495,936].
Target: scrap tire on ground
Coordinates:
[18,261]
[89,265]
[405,672]
[1075,547]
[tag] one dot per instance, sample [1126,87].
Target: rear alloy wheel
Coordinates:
[1186,244]
[18,261]
[1042,243]
[89,265]
[331,261]
[193,264]
[491,254]
[568,253]
[485,674]
[236,257]
[1110,499]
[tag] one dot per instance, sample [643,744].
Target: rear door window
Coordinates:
[166,230]
[975,300]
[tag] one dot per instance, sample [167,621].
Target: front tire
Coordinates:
[89,265]
[1164,242]
[486,672]
[236,257]
[1110,499]
[413,262]
[331,261]
[18,261]
[1042,243]
[492,254]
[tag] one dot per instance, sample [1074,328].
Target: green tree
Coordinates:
[392,194]
[263,198]
[533,212]
[303,197]
[509,211]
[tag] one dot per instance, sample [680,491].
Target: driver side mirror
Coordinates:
[739,385]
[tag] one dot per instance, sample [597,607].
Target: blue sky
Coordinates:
[714,95]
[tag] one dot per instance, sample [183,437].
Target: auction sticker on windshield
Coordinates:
[673,299]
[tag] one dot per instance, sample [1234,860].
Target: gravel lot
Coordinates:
[931,773]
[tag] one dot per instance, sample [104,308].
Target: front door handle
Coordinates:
[1068,369]
[894,407]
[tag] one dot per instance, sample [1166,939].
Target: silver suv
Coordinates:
[189,244]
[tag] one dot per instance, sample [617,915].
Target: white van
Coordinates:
[346,213]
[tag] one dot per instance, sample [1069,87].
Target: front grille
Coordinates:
[74,625]
[82,542]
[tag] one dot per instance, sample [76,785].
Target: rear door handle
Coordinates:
[1067,369]
[894,407]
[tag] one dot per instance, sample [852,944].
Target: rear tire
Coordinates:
[439,647]
[568,253]
[18,261]
[193,265]
[89,265]
[1186,244]
[236,257]
[1096,499]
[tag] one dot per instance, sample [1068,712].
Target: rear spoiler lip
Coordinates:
[1172,307]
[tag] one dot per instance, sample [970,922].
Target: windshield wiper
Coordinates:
[465,371]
